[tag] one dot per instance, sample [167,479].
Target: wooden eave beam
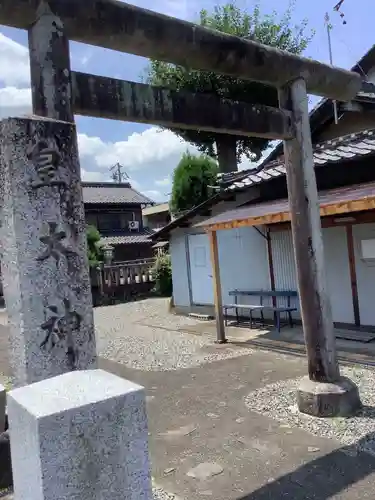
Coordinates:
[103,97]
[359,205]
[119,26]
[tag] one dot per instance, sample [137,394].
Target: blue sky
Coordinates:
[148,154]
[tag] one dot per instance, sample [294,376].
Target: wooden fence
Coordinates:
[123,279]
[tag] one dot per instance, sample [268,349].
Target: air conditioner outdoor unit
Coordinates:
[134,225]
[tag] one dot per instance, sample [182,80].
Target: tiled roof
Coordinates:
[127,239]
[158,208]
[322,112]
[348,147]
[341,195]
[110,192]
[366,95]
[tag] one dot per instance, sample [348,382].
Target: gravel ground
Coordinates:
[160,494]
[124,335]
[278,401]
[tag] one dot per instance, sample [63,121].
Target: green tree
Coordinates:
[275,30]
[93,249]
[162,272]
[191,183]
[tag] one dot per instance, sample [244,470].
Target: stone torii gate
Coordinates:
[47,142]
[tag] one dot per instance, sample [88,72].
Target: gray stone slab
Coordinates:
[205,470]
[81,435]
[2,408]
[320,399]
[44,262]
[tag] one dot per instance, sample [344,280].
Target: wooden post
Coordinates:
[50,66]
[220,329]
[307,239]
[353,274]
[270,265]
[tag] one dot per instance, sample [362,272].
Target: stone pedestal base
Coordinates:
[320,399]
[82,435]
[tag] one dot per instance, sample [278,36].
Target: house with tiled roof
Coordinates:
[250,215]
[115,209]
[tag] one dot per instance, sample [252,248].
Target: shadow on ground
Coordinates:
[323,478]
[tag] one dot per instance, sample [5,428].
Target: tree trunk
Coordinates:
[227,153]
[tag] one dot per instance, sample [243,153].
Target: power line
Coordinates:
[329,28]
[118,175]
[337,8]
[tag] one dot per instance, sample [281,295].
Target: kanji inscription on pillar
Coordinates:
[60,326]
[53,242]
[46,158]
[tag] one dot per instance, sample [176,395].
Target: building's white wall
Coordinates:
[283,264]
[338,274]
[177,249]
[336,265]
[243,261]
[365,275]
[243,265]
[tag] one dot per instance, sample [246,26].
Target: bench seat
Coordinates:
[280,309]
[262,294]
[236,307]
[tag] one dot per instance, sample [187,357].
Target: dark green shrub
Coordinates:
[94,251]
[162,272]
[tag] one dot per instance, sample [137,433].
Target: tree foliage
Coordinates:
[162,272]
[93,249]
[191,183]
[273,29]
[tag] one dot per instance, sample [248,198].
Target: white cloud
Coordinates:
[93,176]
[140,149]
[86,59]
[154,195]
[14,101]
[14,63]
[166,182]
[90,146]
[145,156]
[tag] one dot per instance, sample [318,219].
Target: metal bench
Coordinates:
[277,310]
[236,308]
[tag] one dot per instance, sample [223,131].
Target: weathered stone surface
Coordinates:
[205,471]
[44,265]
[321,399]
[2,408]
[6,479]
[81,435]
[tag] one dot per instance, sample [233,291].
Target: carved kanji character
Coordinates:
[53,241]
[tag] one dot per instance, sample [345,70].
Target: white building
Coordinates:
[251,217]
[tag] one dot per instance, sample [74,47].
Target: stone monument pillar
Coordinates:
[45,267]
